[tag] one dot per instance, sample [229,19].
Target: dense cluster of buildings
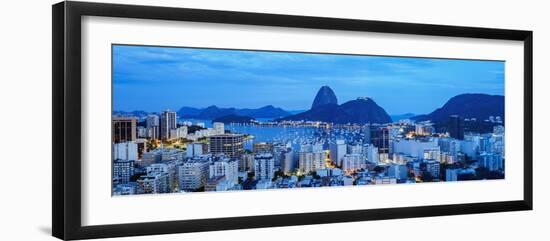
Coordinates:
[213,159]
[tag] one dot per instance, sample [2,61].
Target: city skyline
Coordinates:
[191,77]
[344,135]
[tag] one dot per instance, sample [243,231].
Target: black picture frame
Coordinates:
[66,158]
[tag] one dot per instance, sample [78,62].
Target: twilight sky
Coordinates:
[157,78]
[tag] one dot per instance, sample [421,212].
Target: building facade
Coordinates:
[124,129]
[167,123]
[231,145]
[264,166]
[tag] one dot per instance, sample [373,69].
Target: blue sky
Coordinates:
[157,78]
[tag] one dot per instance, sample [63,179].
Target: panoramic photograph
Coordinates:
[189,120]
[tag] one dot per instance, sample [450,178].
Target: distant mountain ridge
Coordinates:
[136,113]
[213,112]
[402,116]
[360,111]
[234,119]
[479,106]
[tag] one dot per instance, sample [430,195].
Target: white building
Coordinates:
[432,154]
[125,151]
[157,182]
[384,180]
[317,147]
[355,149]
[352,162]
[311,161]
[449,145]
[413,147]
[424,128]
[166,167]
[288,162]
[447,158]
[337,151]
[142,132]
[152,124]
[193,174]
[496,143]
[180,132]
[167,122]
[264,166]
[219,128]
[196,149]
[225,167]
[372,154]
[491,161]
[400,172]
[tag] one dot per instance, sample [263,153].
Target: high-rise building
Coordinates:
[166,167]
[141,147]
[193,174]
[432,153]
[264,166]
[246,163]
[400,172]
[124,129]
[380,138]
[288,164]
[196,149]
[225,167]
[366,135]
[413,147]
[424,128]
[167,123]
[123,170]
[337,151]
[125,151]
[142,132]
[491,161]
[355,149]
[431,167]
[311,161]
[450,145]
[352,162]
[179,132]
[231,145]
[372,154]
[152,124]
[219,128]
[456,128]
